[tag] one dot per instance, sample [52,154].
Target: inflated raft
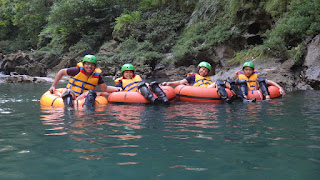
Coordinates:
[198,94]
[55,100]
[136,97]
[257,94]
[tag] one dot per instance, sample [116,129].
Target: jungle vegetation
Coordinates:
[176,32]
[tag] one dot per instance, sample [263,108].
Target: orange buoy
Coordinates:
[257,94]
[55,100]
[198,94]
[136,97]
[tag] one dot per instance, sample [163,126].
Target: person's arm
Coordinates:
[269,82]
[213,85]
[60,74]
[103,94]
[109,89]
[174,83]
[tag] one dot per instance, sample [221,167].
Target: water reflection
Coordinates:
[110,127]
[239,134]
[120,123]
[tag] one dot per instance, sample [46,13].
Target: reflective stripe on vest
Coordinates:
[131,84]
[81,83]
[201,81]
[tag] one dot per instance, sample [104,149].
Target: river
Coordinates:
[276,139]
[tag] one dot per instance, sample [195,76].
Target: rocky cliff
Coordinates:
[288,73]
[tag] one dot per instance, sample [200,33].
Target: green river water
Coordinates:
[276,139]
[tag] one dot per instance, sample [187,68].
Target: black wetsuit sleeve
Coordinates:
[191,79]
[100,81]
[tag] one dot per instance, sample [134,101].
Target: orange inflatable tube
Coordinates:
[136,97]
[198,94]
[55,100]
[257,94]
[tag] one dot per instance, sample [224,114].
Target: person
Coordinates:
[201,79]
[248,79]
[84,79]
[133,82]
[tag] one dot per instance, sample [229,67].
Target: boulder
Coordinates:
[224,51]
[24,79]
[22,63]
[108,68]
[311,64]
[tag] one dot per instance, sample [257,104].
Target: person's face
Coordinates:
[248,71]
[89,67]
[203,71]
[128,74]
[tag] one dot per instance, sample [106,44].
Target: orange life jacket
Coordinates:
[251,81]
[130,84]
[81,83]
[200,80]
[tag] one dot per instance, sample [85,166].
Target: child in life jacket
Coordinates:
[133,82]
[201,79]
[248,79]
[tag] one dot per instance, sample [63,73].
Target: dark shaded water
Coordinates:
[277,139]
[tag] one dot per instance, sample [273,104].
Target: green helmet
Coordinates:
[205,64]
[90,58]
[127,67]
[248,64]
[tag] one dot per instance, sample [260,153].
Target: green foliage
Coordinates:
[199,37]
[22,20]
[6,13]
[126,20]
[148,4]
[256,52]
[148,29]
[301,20]
[159,28]
[275,8]
[298,53]
[238,11]
[131,50]
[205,11]
[184,6]
[8,46]
[70,20]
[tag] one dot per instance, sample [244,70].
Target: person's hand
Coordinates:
[52,89]
[165,84]
[282,91]
[119,89]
